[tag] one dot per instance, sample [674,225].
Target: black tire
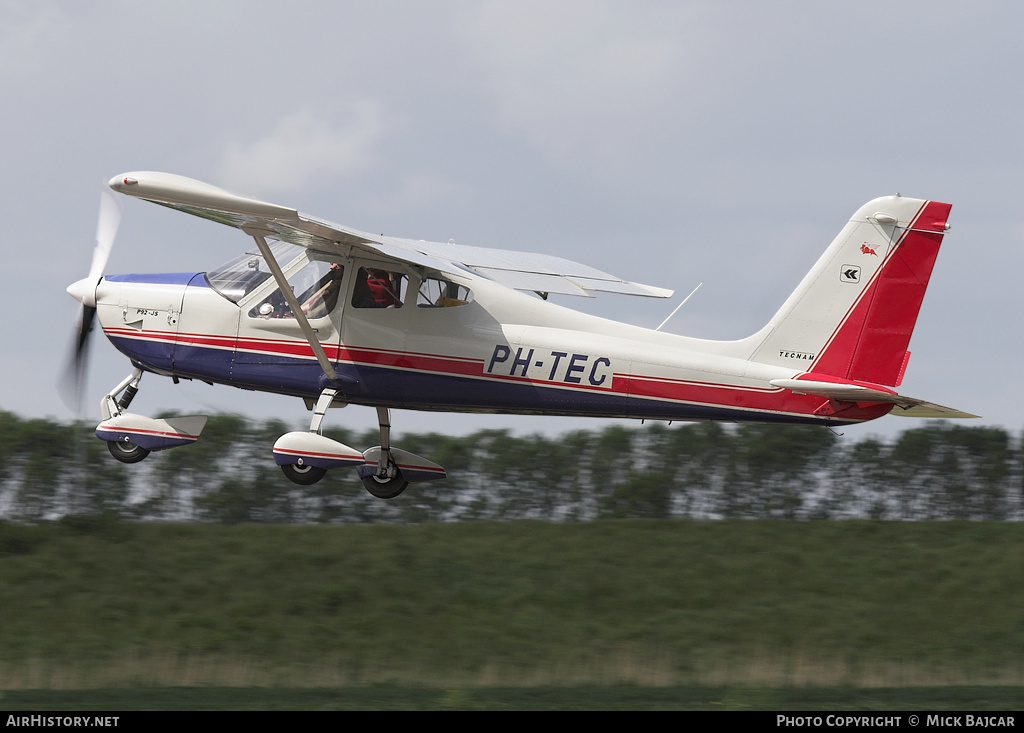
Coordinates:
[387,488]
[303,475]
[126,452]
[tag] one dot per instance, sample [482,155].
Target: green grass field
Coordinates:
[631,614]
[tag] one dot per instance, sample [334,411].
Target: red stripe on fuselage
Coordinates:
[731,396]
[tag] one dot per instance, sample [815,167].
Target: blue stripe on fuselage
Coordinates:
[161,278]
[416,390]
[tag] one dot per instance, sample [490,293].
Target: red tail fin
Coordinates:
[870,343]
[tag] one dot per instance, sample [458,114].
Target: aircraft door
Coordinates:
[376,328]
[271,351]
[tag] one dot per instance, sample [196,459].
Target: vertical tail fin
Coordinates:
[852,315]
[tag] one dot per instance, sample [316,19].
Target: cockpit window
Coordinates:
[316,287]
[436,292]
[379,288]
[239,277]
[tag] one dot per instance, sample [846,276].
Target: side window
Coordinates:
[376,288]
[316,287]
[436,292]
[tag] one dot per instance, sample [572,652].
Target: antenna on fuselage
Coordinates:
[679,306]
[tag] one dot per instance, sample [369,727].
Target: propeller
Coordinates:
[84,291]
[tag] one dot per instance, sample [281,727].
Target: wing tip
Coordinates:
[170,188]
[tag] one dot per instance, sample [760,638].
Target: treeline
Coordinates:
[697,471]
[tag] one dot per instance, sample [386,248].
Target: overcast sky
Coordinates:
[672,143]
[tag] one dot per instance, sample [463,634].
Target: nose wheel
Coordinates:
[126,452]
[131,437]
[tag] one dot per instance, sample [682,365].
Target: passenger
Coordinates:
[382,287]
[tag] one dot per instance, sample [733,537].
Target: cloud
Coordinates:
[28,35]
[578,79]
[304,148]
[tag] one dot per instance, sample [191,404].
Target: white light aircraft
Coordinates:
[337,316]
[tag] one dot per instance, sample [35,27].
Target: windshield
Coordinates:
[239,277]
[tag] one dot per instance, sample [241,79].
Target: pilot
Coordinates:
[325,298]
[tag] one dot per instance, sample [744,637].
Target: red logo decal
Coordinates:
[868,250]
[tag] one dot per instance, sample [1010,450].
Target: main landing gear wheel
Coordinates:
[126,452]
[385,484]
[386,488]
[303,475]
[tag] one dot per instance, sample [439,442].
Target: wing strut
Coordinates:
[258,233]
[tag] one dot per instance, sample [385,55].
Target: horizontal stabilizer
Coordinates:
[908,406]
[928,409]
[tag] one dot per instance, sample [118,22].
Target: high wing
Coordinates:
[908,406]
[518,270]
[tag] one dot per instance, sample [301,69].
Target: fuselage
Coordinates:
[490,349]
